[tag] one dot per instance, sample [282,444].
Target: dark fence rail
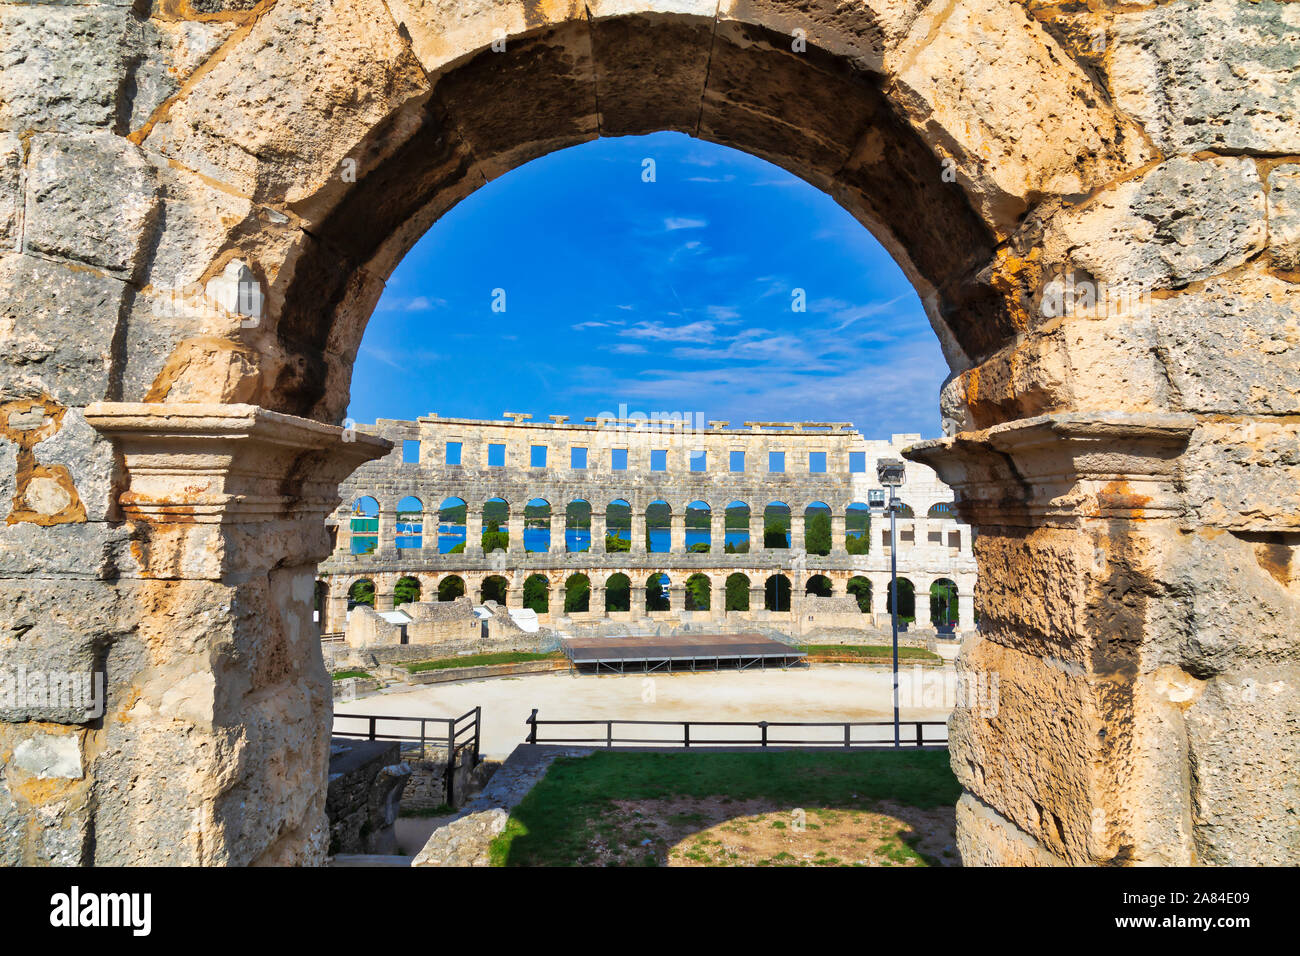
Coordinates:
[460,737]
[912,733]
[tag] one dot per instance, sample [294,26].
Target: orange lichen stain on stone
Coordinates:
[1013,276]
[1118,496]
[1276,558]
[43,494]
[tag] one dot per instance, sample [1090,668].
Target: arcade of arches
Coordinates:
[486,490]
[1097,204]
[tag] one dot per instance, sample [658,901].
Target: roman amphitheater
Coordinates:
[827,468]
[1098,204]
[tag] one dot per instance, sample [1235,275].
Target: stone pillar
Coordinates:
[677,597]
[638,532]
[798,537]
[596,601]
[1087,583]
[473,529]
[556,598]
[923,618]
[966,610]
[428,541]
[838,546]
[597,533]
[755,530]
[335,617]
[515,525]
[343,536]
[677,533]
[553,546]
[718,601]
[226,695]
[384,584]
[757,596]
[718,530]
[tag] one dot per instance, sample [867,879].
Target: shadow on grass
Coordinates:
[567,817]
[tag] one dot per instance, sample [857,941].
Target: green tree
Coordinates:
[698,548]
[405,591]
[537,594]
[655,599]
[494,540]
[577,595]
[860,588]
[618,593]
[774,536]
[737,593]
[698,594]
[614,543]
[817,533]
[362,592]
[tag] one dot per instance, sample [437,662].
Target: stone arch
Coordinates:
[451,587]
[944,611]
[658,526]
[363,525]
[657,597]
[494,588]
[578,526]
[537,593]
[857,527]
[818,535]
[906,600]
[942,509]
[698,594]
[453,525]
[408,523]
[406,589]
[860,588]
[737,592]
[776,593]
[736,528]
[254,179]
[777,526]
[496,525]
[577,594]
[697,519]
[819,585]
[618,525]
[618,592]
[362,591]
[537,525]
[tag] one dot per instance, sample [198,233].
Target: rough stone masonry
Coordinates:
[1098,203]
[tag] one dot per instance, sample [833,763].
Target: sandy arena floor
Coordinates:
[825,692]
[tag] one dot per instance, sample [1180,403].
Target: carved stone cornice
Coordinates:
[1056,469]
[223,487]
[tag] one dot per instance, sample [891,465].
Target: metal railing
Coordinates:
[461,736]
[913,733]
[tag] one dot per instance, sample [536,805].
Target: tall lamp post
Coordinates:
[890,473]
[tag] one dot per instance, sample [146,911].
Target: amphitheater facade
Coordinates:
[678,462]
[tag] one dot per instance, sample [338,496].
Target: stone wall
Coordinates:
[1095,202]
[366,782]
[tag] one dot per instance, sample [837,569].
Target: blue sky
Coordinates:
[671,295]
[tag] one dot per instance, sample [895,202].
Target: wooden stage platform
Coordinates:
[679,652]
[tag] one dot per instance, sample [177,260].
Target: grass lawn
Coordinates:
[344,675]
[873,651]
[478,660]
[741,809]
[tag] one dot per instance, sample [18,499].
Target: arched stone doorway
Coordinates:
[1092,248]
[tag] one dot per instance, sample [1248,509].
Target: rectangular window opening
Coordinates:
[496,456]
[453,453]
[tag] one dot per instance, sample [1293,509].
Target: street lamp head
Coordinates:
[890,472]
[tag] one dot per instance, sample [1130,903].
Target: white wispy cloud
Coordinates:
[673,223]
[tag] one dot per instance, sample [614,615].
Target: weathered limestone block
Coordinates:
[1235,605]
[864,33]
[444,32]
[59,332]
[1283,216]
[1245,475]
[986,838]
[44,796]
[1233,347]
[366,628]
[170,51]
[90,200]
[967,77]
[61,67]
[1210,74]
[1244,739]
[1179,222]
[276,115]
[627,49]
[535,96]
[11,204]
